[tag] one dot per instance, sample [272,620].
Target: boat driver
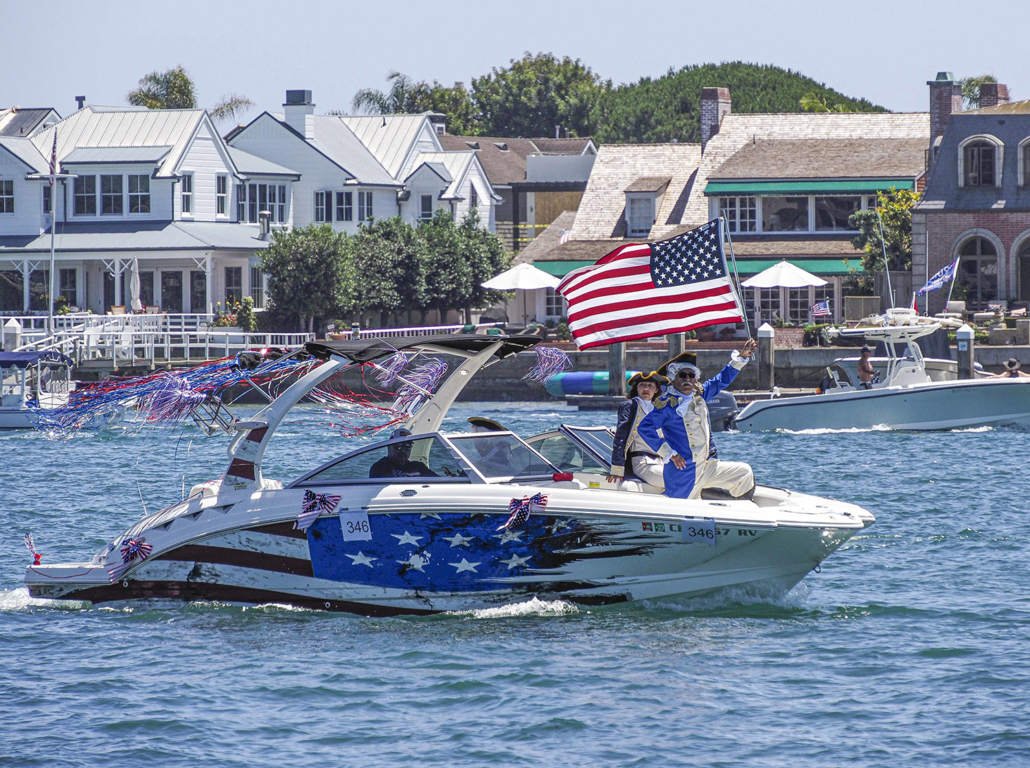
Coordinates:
[495,456]
[628,445]
[396,462]
[866,372]
[682,416]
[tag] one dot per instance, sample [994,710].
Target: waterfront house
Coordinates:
[353,168]
[159,186]
[976,206]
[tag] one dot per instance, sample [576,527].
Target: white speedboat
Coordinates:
[31,382]
[470,520]
[906,398]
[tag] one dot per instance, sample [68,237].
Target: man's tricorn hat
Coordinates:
[683,360]
[654,377]
[483,424]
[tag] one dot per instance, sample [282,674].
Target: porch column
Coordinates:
[25,294]
[118,282]
[208,270]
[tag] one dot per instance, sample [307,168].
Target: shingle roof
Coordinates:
[825,159]
[619,165]
[26,151]
[788,247]
[252,165]
[130,127]
[649,184]
[387,137]
[548,239]
[502,167]
[738,129]
[142,236]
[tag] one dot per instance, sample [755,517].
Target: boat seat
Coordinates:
[638,486]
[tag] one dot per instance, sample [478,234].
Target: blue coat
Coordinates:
[684,423]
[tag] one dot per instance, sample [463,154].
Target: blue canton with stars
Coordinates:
[692,257]
[445,553]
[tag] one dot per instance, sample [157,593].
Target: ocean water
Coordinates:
[911,647]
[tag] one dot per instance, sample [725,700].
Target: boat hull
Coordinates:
[433,558]
[17,418]
[932,406]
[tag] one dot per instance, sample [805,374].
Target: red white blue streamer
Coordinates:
[30,544]
[521,509]
[550,361]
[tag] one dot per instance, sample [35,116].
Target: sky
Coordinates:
[52,51]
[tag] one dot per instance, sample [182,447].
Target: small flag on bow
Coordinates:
[520,510]
[313,505]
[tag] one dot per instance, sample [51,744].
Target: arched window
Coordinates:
[1023,270]
[979,163]
[1024,162]
[978,271]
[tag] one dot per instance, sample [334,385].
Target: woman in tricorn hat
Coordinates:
[628,446]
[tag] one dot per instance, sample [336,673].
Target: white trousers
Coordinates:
[650,469]
[733,476]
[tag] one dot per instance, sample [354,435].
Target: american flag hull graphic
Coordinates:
[440,549]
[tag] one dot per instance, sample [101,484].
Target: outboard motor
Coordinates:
[722,410]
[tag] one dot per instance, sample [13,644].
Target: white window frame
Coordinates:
[422,207]
[76,196]
[555,301]
[257,287]
[186,194]
[119,195]
[281,204]
[473,197]
[6,197]
[345,209]
[646,198]
[814,211]
[324,209]
[138,194]
[241,203]
[1023,168]
[733,222]
[48,196]
[365,209]
[999,158]
[221,195]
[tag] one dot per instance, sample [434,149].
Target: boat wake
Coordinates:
[846,431]
[973,429]
[20,600]
[534,607]
[736,600]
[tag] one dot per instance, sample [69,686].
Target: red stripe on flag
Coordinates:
[633,336]
[627,304]
[656,317]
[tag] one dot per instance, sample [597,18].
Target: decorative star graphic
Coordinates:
[457,540]
[510,535]
[362,559]
[559,525]
[407,538]
[515,561]
[415,562]
[433,515]
[465,565]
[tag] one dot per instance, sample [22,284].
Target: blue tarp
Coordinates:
[25,359]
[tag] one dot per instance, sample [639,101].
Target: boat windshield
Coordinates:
[501,455]
[427,458]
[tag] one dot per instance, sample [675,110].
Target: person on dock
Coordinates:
[866,372]
[1011,371]
[628,446]
[682,416]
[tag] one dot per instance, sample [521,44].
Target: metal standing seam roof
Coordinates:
[26,151]
[334,139]
[252,165]
[116,155]
[438,168]
[131,127]
[456,164]
[22,122]
[140,236]
[388,137]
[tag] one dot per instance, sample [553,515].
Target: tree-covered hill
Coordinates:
[666,108]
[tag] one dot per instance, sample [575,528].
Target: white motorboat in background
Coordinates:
[470,520]
[31,382]
[906,398]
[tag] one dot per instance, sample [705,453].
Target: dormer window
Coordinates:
[639,215]
[1024,163]
[980,161]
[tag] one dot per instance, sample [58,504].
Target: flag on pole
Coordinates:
[565,235]
[53,159]
[650,289]
[821,309]
[946,275]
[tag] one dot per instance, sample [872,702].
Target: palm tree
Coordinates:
[175,89]
[406,96]
[811,102]
[971,90]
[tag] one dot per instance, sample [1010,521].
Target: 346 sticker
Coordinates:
[699,530]
[355,526]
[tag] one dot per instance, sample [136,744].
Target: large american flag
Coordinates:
[641,289]
[53,159]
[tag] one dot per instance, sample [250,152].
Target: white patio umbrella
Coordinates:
[522,277]
[134,302]
[783,275]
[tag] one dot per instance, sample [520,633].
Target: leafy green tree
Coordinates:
[534,94]
[448,271]
[971,90]
[895,212]
[175,89]
[668,108]
[309,272]
[486,257]
[390,259]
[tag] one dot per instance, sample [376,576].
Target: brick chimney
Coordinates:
[299,112]
[715,105]
[945,100]
[993,94]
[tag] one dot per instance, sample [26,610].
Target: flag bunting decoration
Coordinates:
[651,289]
[821,309]
[313,505]
[946,275]
[133,549]
[520,510]
[30,544]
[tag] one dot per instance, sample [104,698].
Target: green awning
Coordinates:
[745,267]
[819,267]
[804,187]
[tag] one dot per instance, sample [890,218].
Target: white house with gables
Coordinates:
[356,168]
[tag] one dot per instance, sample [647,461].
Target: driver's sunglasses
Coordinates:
[685,375]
